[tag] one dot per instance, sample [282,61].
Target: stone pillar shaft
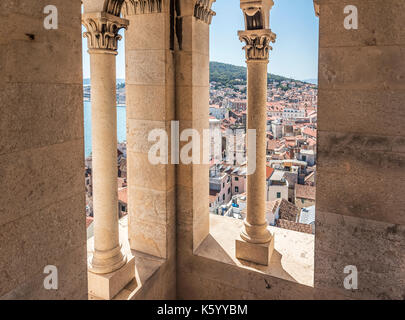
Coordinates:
[102,34]
[256,225]
[109,269]
[107,254]
[256,243]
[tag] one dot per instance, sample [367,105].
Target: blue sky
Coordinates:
[294,55]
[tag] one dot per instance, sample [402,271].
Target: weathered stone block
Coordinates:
[106,286]
[150,102]
[254,252]
[366,68]
[390,18]
[369,116]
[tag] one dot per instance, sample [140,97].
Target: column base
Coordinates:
[259,253]
[108,285]
[107,261]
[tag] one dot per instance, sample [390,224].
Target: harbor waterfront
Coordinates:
[121,126]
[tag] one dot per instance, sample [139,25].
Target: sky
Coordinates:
[294,54]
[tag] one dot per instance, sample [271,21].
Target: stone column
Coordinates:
[256,243]
[102,34]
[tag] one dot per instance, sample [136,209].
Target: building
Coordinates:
[307,216]
[221,184]
[215,139]
[281,209]
[304,196]
[277,186]
[293,113]
[277,128]
[122,202]
[308,156]
[219,112]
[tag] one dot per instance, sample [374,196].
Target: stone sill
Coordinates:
[146,266]
[292,259]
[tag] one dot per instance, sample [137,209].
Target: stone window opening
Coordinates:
[254,36]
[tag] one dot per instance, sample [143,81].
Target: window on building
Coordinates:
[236,178]
[223,197]
[278,195]
[236,189]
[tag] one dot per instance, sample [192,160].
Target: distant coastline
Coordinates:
[121,125]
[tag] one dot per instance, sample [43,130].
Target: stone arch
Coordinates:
[131,7]
[112,7]
[124,7]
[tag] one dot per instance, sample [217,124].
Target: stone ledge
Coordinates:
[146,267]
[292,258]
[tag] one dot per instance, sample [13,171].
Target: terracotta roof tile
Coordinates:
[123,195]
[305,191]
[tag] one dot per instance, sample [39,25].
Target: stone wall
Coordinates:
[42,205]
[360,217]
[150,106]
[192,100]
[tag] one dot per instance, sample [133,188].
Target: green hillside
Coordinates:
[230,75]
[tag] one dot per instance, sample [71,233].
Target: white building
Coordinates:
[215,140]
[277,186]
[293,113]
[308,156]
[307,216]
[277,129]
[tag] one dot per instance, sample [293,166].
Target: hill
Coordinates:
[312,81]
[226,75]
[230,75]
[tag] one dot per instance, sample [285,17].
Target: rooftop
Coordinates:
[305,191]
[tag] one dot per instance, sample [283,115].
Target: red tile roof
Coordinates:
[295,226]
[89,220]
[123,195]
[269,172]
[309,132]
[305,191]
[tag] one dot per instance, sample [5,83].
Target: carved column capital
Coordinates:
[257,44]
[102,31]
[202,10]
[316,7]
